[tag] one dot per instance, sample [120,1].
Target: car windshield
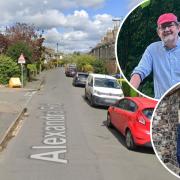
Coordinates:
[108,83]
[83,75]
[148,112]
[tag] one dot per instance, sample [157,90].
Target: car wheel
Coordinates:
[108,122]
[129,141]
[92,101]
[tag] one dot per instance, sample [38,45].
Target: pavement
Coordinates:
[13,105]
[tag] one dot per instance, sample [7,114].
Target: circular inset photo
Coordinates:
[148,47]
[165,130]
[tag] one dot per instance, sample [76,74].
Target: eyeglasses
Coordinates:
[162,27]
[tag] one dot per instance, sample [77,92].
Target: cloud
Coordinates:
[47,19]
[81,30]
[76,30]
[11,8]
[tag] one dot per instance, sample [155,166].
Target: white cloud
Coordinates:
[83,31]
[48,19]
[76,30]
[12,7]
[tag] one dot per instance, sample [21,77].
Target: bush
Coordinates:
[8,69]
[127,90]
[87,68]
[99,67]
[32,71]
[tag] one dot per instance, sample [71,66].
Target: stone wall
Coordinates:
[164,129]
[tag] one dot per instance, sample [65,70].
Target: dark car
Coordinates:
[70,72]
[80,79]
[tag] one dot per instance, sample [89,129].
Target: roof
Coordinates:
[143,102]
[102,76]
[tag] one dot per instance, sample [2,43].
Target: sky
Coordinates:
[76,25]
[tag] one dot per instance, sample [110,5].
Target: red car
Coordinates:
[131,116]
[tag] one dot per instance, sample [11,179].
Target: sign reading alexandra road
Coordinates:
[55,134]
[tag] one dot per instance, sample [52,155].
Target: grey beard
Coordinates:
[169,40]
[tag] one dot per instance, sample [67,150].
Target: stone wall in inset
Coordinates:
[164,130]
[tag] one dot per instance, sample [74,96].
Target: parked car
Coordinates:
[70,71]
[80,79]
[102,90]
[131,116]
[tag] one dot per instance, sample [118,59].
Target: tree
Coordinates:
[84,59]
[3,43]
[27,34]
[15,50]
[99,67]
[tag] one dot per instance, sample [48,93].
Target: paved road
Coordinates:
[72,141]
[12,101]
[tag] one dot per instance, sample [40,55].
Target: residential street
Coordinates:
[74,136]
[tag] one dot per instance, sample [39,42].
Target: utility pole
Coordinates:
[57,46]
[57,53]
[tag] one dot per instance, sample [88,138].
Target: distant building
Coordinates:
[49,54]
[105,50]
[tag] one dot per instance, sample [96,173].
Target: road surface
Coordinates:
[64,138]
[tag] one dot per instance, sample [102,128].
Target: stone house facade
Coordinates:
[164,129]
[105,50]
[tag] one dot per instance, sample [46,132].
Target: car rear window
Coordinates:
[148,112]
[108,83]
[83,75]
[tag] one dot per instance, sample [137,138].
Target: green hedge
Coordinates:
[127,90]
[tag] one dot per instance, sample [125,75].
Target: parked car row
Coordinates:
[129,115]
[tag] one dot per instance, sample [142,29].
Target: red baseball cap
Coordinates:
[167,17]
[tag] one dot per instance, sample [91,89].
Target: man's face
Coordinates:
[168,32]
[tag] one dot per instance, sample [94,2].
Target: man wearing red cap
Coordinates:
[162,57]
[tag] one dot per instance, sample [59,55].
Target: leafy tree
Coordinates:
[8,69]
[15,50]
[84,59]
[3,43]
[99,67]
[88,68]
[29,35]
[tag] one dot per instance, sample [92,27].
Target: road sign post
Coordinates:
[21,60]
[22,75]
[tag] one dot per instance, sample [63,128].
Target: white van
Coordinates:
[102,90]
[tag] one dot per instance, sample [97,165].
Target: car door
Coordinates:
[118,114]
[129,115]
